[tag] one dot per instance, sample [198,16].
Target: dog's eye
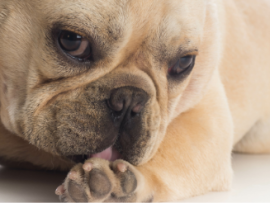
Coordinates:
[183,64]
[75,45]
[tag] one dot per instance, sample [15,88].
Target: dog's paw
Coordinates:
[98,180]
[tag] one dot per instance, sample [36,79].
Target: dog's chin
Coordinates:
[110,154]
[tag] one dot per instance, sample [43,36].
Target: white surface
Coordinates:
[251,183]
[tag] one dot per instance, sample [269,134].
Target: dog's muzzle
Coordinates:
[124,109]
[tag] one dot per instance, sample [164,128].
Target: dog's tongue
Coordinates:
[109,154]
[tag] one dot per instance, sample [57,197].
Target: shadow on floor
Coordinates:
[29,186]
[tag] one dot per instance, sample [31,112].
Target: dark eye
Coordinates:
[183,64]
[75,45]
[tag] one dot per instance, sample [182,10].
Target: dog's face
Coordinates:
[90,77]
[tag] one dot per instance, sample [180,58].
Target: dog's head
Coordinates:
[103,78]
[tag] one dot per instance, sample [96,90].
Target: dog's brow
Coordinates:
[88,28]
[193,51]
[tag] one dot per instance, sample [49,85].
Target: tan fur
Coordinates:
[190,127]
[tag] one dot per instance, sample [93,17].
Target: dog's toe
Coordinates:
[99,183]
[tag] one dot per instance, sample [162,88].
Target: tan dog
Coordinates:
[153,94]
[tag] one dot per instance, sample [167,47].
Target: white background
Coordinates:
[251,183]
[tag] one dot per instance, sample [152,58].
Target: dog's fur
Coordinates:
[51,106]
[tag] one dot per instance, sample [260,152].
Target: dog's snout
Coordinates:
[126,105]
[128,101]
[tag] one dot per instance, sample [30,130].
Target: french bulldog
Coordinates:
[140,100]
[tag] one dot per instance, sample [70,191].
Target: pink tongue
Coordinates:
[109,154]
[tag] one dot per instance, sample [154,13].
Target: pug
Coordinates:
[140,100]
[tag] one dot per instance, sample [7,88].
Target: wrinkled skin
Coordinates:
[170,133]
[63,107]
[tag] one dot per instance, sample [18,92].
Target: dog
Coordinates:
[140,100]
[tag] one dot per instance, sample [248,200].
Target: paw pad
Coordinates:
[99,183]
[128,182]
[99,180]
[77,191]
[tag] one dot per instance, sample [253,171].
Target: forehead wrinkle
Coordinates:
[179,30]
[156,25]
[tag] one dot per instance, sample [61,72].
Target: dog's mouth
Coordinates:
[110,154]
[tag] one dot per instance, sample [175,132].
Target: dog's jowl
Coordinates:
[140,100]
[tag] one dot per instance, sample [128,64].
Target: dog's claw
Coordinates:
[122,167]
[60,190]
[73,175]
[87,167]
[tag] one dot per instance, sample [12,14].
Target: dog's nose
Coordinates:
[126,102]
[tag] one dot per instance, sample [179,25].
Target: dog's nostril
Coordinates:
[115,106]
[138,108]
[126,103]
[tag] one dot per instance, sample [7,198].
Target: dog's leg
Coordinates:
[194,158]
[3,12]
[257,140]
